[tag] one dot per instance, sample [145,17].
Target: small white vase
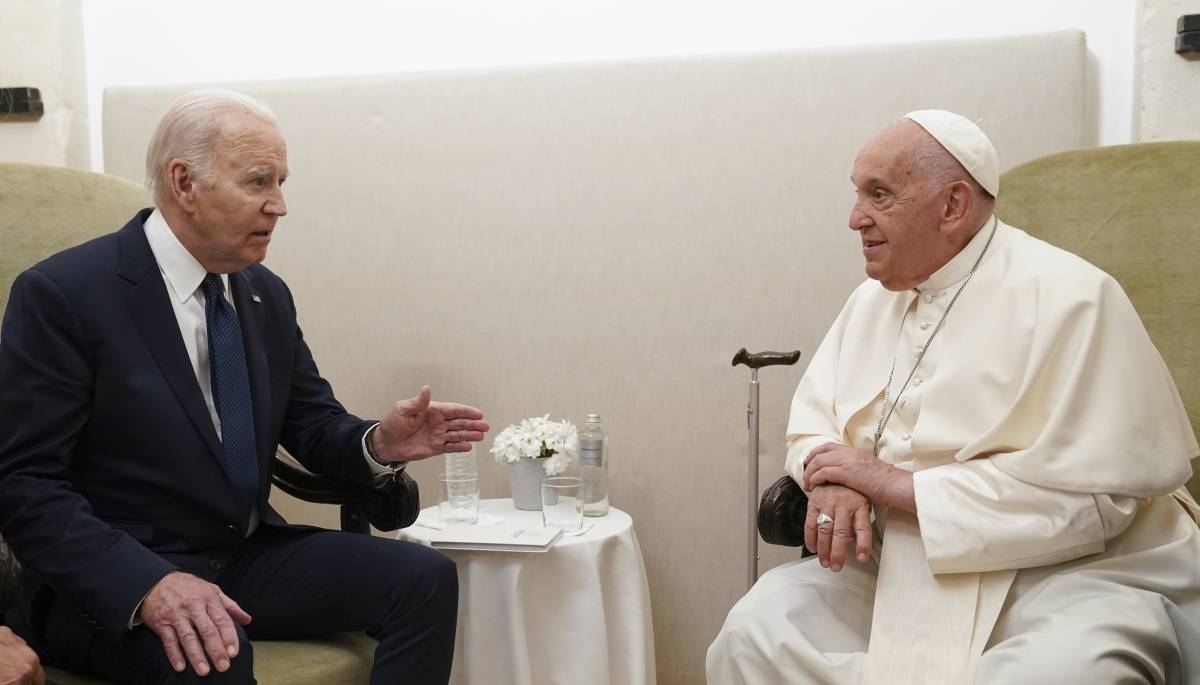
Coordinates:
[526,477]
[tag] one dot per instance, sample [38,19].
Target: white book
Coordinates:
[498,538]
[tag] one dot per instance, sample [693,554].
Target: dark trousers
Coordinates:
[295,583]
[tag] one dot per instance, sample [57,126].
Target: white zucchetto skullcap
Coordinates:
[963,139]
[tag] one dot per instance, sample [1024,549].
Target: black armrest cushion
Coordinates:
[781,513]
[392,506]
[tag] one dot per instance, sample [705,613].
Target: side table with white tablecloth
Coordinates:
[578,613]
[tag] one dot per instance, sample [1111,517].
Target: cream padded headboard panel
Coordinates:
[603,238]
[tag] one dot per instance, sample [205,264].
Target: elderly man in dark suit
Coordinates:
[146,378]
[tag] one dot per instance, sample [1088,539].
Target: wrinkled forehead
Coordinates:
[247,139]
[891,152]
[243,129]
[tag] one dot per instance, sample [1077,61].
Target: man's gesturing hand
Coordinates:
[851,515]
[418,428]
[193,618]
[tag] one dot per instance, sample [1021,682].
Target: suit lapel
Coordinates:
[252,317]
[150,306]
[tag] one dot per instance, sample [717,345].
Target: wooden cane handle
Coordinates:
[757,360]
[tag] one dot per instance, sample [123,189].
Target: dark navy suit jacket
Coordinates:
[111,473]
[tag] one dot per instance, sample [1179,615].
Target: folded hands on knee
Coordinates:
[843,484]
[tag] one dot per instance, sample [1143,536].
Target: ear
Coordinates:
[183,185]
[958,203]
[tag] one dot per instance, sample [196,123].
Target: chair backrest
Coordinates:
[44,209]
[1130,210]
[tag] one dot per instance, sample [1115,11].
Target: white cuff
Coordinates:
[380,470]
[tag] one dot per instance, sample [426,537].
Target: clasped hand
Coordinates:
[843,483]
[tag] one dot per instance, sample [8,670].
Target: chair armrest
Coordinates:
[781,513]
[392,506]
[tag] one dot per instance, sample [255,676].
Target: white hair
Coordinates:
[188,131]
[940,168]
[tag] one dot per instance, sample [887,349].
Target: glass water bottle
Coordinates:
[593,466]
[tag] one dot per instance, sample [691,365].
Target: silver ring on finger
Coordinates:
[823,519]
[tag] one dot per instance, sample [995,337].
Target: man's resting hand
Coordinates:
[883,484]
[851,514]
[18,664]
[193,618]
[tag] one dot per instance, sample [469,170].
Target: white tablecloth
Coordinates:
[578,613]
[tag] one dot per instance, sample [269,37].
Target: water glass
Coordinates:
[562,502]
[460,463]
[458,498]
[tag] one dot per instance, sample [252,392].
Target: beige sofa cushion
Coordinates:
[45,209]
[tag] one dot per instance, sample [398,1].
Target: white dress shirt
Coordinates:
[183,275]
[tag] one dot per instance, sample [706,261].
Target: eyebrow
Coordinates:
[869,181]
[265,171]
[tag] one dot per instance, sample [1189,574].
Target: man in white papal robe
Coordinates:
[1024,520]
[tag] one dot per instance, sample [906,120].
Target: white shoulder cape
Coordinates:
[1045,368]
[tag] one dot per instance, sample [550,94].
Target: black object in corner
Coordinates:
[22,103]
[1187,40]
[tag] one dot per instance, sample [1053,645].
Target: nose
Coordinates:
[276,205]
[859,219]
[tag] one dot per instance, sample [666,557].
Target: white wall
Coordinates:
[41,47]
[142,42]
[1166,85]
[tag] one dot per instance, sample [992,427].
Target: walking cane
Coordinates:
[756,361]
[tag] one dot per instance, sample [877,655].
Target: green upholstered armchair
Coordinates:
[45,209]
[1128,209]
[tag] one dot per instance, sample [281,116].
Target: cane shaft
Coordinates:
[752,483]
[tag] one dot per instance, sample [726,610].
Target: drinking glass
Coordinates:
[460,463]
[562,502]
[458,498]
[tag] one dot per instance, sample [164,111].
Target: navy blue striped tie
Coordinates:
[231,392]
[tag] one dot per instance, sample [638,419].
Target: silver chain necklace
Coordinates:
[885,412]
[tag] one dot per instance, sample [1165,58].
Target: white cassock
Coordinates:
[1054,542]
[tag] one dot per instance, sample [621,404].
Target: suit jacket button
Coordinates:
[215,565]
[231,528]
